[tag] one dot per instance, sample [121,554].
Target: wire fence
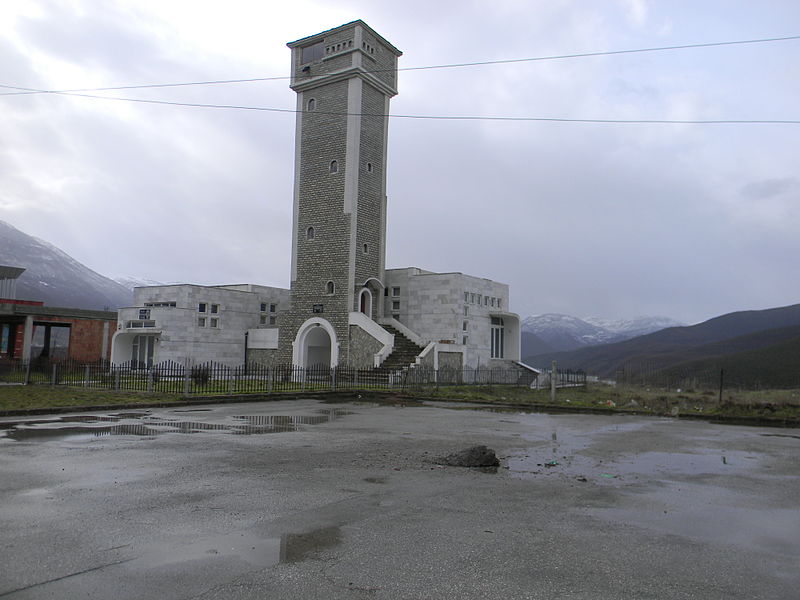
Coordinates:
[215,378]
[708,377]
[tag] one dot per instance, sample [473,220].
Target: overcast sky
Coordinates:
[612,220]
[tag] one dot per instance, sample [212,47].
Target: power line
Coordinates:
[25,91]
[451,117]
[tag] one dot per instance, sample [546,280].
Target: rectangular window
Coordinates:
[263,320]
[273,308]
[214,322]
[479,298]
[263,307]
[486,301]
[466,310]
[499,303]
[395,291]
[386,292]
[273,320]
[464,340]
[395,304]
[202,307]
[214,309]
[312,52]
[201,321]
[492,301]
[472,298]
[464,326]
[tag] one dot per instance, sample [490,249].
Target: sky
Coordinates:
[612,220]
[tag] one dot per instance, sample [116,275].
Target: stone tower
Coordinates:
[344,79]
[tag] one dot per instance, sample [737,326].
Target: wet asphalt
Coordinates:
[301,499]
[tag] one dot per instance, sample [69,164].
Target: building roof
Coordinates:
[319,36]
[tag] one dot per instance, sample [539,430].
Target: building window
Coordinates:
[464,340]
[262,320]
[395,291]
[213,322]
[310,233]
[466,296]
[334,166]
[365,248]
[273,320]
[312,52]
[263,307]
[499,303]
[464,326]
[498,338]
[492,301]
[214,309]
[330,288]
[369,167]
[466,310]
[312,104]
[202,307]
[486,300]
[201,321]
[273,308]
[395,304]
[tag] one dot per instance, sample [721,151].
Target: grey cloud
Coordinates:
[770,188]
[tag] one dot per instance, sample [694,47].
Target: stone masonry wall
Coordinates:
[363,348]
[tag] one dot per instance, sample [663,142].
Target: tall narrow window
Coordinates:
[498,338]
[312,104]
[334,166]
[330,288]
[365,249]
[310,233]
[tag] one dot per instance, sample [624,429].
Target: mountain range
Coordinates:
[756,346]
[55,278]
[554,332]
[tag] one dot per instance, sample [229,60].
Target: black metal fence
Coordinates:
[216,378]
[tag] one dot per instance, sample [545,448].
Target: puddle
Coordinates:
[258,551]
[147,426]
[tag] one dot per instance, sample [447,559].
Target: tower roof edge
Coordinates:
[318,36]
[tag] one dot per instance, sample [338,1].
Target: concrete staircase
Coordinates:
[404,352]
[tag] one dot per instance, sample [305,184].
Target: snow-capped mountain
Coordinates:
[54,277]
[635,327]
[130,281]
[564,332]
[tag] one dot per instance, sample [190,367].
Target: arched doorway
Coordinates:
[316,345]
[365,302]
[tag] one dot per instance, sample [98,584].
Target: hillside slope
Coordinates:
[54,277]
[670,346]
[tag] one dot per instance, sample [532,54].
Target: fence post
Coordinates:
[86,376]
[186,380]
[54,377]
[117,377]
[553,375]
[150,380]
[270,379]
[231,382]
[27,378]
[333,377]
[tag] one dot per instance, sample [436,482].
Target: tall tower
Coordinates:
[344,79]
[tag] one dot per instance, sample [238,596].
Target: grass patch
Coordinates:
[777,404]
[20,397]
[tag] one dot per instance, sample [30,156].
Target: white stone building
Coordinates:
[461,313]
[333,315]
[191,324]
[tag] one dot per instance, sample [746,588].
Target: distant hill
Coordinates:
[726,335]
[776,365]
[555,332]
[54,277]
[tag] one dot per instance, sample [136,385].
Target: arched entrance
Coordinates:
[316,345]
[365,302]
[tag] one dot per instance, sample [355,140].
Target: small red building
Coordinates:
[29,330]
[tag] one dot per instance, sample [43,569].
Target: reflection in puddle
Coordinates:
[145,425]
[258,551]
